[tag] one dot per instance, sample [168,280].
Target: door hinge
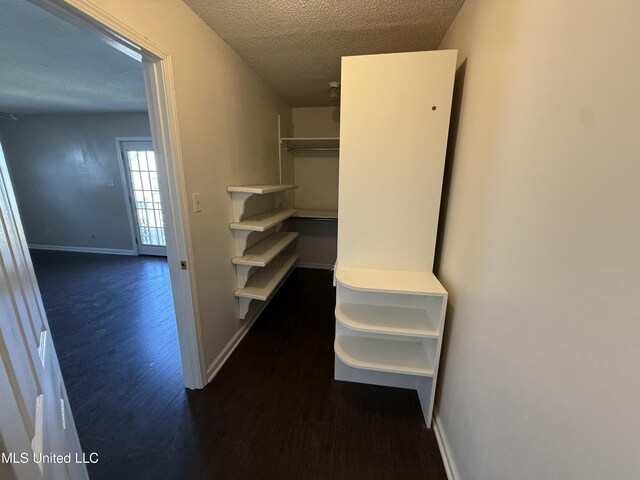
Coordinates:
[136,240]
[183,265]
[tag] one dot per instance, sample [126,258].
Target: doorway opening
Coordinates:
[67,277]
[162,116]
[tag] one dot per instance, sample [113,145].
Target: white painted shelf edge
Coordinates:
[305,143]
[317,214]
[260,189]
[388,320]
[263,221]
[383,355]
[390,281]
[262,285]
[263,252]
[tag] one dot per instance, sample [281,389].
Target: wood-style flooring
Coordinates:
[272,412]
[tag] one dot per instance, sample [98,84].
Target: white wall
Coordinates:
[61,166]
[540,251]
[316,174]
[228,132]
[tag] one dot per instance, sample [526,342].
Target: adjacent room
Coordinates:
[319,240]
[75,134]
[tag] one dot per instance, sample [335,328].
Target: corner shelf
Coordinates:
[390,281]
[263,252]
[311,144]
[383,355]
[316,214]
[389,326]
[389,320]
[263,221]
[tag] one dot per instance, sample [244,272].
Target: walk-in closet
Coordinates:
[360,195]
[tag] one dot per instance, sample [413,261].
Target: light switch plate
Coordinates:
[196,203]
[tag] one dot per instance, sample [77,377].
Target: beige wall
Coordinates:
[540,251]
[316,174]
[228,132]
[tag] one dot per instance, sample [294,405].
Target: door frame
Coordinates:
[163,120]
[126,190]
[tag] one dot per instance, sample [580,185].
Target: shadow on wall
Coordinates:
[456,106]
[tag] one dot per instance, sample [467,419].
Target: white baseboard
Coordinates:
[60,248]
[220,360]
[319,266]
[445,451]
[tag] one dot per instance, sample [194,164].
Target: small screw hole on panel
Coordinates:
[433,108]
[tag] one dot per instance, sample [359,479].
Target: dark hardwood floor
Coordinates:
[272,412]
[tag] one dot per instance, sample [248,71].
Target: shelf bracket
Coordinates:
[243,307]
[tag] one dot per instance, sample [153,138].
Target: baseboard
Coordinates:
[445,451]
[220,360]
[319,266]
[60,248]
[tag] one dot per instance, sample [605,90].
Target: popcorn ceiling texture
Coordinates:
[296,45]
[50,66]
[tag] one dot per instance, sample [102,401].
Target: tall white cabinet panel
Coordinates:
[390,308]
[392,149]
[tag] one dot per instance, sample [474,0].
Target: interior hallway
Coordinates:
[273,411]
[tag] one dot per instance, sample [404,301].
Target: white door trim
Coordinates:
[126,191]
[163,120]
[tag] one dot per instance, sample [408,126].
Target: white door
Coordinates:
[35,419]
[144,196]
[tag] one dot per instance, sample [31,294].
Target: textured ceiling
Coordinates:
[296,45]
[48,65]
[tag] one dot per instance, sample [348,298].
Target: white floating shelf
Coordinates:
[383,355]
[325,143]
[260,189]
[263,221]
[390,281]
[262,285]
[262,253]
[413,322]
[317,214]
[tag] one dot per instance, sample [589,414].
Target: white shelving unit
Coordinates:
[263,253]
[390,308]
[389,328]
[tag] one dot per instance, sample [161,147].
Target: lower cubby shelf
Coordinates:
[391,356]
[390,320]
